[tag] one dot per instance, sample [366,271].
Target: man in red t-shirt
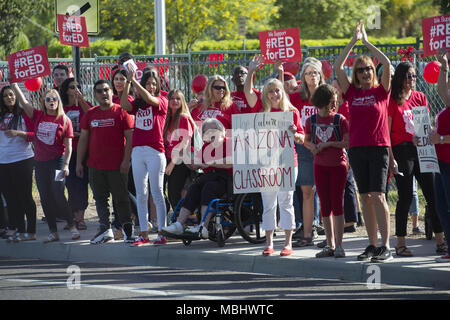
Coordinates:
[239,75]
[106,132]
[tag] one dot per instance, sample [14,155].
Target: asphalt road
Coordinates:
[27,279]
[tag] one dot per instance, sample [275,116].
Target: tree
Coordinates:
[14,14]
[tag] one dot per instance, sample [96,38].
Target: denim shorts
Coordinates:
[305,159]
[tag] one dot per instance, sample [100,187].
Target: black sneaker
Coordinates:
[368,253]
[383,254]
[298,234]
[349,229]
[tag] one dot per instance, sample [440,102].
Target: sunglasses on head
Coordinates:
[100,91]
[50,99]
[220,88]
[362,69]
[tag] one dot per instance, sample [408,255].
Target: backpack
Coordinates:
[336,127]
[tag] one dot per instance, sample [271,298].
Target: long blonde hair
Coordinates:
[226,101]
[285,103]
[358,61]
[182,111]
[59,109]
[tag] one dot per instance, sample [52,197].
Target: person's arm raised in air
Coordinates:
[443,91]
[254,65]
[23,102]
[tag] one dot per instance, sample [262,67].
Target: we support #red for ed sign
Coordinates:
[281,45]
[436,34]
[73,31]
[28,64]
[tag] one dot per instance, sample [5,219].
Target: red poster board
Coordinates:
[73,31]
[281,45]
[28,64]
[436,34]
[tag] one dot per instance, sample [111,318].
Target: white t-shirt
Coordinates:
[13,149]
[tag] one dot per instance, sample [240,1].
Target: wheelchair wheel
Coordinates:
[248,211]
[226,230]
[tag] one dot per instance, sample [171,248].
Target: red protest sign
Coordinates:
[436,34]
[281,45]
[72,30]
[28,64]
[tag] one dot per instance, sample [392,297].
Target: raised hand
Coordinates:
[256,63]
[358,35]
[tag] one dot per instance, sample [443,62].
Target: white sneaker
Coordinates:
[196,229]
[103,236]
[175,228]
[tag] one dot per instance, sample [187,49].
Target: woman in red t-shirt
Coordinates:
[330,165]
[217,103]
[275,99]
[404,160]
[77,188]
[178,131]
[440,137]
[148,158]
[119,80]
[369,139]
[53,148]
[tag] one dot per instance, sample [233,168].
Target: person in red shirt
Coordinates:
[178,132]
[77,188]
[119,80]
[52,152]
[217,103]
[217,168]
[148,156]
[440,137]
[106,132]
[238,96]
[404,160]
[275,99]
[369,139]
[330,165]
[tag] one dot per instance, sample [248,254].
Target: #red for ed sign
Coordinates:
[436,34]
[73,31]
[28,64]
[283,45]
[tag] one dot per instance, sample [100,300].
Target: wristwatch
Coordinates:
[441,139]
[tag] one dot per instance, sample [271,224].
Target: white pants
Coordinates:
[287,215]
[148,167]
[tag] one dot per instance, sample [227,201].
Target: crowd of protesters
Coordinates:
[353,133]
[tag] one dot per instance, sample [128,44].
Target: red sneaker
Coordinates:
[286,252]
[160,240]
[268,252]
[443,259]
[140,242]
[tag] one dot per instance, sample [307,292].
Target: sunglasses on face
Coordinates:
[50,99]
[100,91]
[220,88]
[411,76]
[363,69]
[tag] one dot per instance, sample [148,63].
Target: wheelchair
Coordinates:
[241,212]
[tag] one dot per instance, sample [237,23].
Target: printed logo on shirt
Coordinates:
[144,119]
[74,116]
[324,135]
[6,120]
[307,111]
[409,123]
[102,123]
[364,101]
[46,132]
[210,114]
[240,103]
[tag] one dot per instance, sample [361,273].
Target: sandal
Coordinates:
[441,248]
[52,237]
[29,237]
[268,251]
[403,251]
[75,234]
[305,242]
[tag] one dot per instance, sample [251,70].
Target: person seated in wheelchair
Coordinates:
[212,184]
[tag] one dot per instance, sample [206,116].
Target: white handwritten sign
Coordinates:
[263,152]
[425,149]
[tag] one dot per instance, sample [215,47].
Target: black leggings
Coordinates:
[176,182]
[408,163]
[16,182]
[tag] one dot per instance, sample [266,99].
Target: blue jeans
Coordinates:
[442,196]
[51,192]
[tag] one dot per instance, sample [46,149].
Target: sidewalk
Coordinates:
[239,255]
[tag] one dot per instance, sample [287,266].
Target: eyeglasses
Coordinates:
[362,69]
[218,88]
[50,99]
[311,73]
[100,91]
[411,76]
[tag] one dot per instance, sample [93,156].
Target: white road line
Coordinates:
[159,293]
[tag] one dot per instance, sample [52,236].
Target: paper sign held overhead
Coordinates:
[29,64]
[281,45]
[436,34]
[73,31]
